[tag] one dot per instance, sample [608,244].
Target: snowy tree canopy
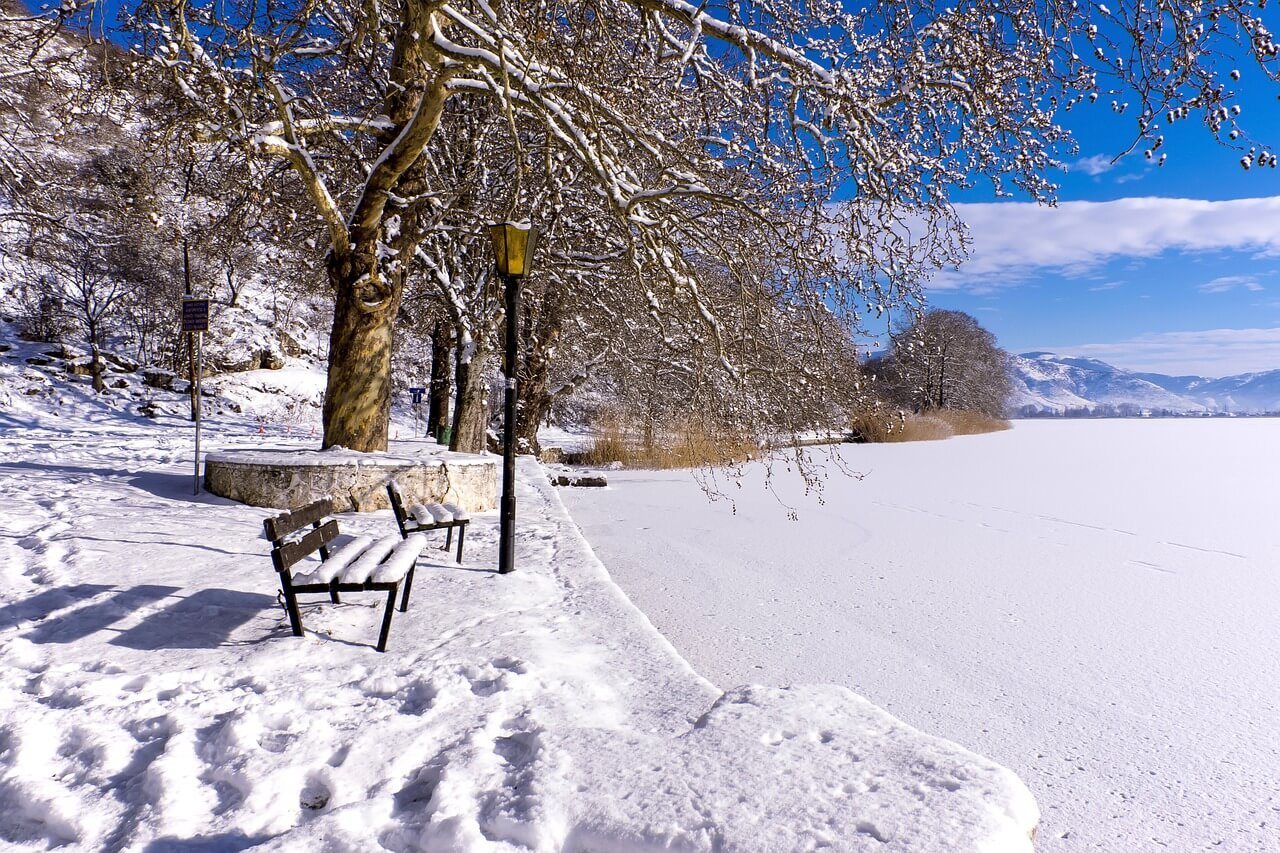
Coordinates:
[807,150]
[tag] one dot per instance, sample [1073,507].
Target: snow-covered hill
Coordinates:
[1046,383]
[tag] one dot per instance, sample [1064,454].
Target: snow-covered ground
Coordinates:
[1093,604]
[151,697]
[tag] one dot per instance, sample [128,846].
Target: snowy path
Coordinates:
[1093,604]
[151,698]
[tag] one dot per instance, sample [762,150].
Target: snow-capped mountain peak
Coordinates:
[1049,383]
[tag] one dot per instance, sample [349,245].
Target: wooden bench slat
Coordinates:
[291,552]
[282,525]
[363,567]
[397,502]
[410,520]
[402,559]
[384,565]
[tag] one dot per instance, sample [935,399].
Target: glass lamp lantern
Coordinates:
[513,247]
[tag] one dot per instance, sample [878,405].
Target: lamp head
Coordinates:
[513,247]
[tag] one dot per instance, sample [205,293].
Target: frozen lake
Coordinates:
[1094,604]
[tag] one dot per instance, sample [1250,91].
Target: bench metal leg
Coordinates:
[333,592]
[408,585]
[448,538]
[462,531]
[291,606]
[386,618]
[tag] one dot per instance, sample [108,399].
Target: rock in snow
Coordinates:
[151,696]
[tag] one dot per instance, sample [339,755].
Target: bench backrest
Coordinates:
[285,552]
[397,504]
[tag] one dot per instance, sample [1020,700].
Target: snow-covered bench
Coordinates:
[420,518]
[362,564]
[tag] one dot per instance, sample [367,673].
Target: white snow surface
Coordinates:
[1091,603]
[152,697]
[288,400]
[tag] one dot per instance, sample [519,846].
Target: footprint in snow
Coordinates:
[315,793]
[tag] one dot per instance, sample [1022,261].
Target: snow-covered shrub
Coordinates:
[40,312]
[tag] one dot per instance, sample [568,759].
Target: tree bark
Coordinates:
[533,400]
[441,377]
[95,365]
[532,406]
[189,343]
[942,379]
[471,410]
[357,400]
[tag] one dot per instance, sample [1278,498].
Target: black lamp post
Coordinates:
[513,246]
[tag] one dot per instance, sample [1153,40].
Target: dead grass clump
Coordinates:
[922,428]
[970,423]
[610,445]
[937,424]
[684,445]
[874,427]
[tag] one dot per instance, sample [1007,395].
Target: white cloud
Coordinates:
[1223,283]
[1014,240]
[1210,352]
[1093,166]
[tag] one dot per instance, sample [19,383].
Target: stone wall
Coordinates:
[356,481]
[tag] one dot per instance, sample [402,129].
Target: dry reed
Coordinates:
[688,444]
[935,425]
[970,423]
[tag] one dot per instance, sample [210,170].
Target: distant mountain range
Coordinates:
[1045,383]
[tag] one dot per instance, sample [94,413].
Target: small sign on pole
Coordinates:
[195,314]
[195,321]
[415,396]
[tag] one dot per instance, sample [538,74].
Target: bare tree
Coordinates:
[92,295]
[947,360]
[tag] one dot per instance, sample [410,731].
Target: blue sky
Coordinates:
[1174,269]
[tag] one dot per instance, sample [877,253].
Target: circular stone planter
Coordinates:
[285,479]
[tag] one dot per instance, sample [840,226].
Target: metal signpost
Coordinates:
[195,321]
[416,396]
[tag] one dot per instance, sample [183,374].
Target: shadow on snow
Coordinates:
[204,619]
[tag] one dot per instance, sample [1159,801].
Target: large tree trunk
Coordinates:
[532,407]
[95,368]
[533,398]
[189,342]
[441,375]
[95,357]
[357,400]
[471,410]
